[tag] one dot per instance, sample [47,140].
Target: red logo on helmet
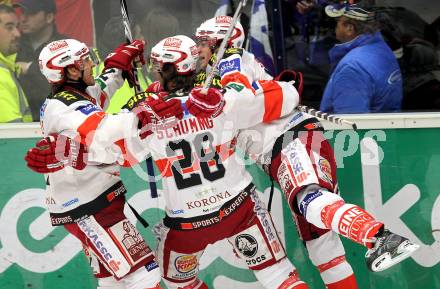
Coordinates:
[54,46]
[194,50]
[173,42]
[223,19]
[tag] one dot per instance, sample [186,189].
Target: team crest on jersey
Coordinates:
[247,245]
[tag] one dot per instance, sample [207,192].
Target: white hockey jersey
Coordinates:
[258,140]
[79,114]
[197,157]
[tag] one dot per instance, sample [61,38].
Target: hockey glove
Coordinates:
[54,152]
[159,112]
[292,75]
[122,58]
[205,106]
[157,88]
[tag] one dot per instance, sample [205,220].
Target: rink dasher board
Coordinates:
[363,121]
[399,186]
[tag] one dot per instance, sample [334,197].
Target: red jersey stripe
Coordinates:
[273,100]
[87,129]
[129,159]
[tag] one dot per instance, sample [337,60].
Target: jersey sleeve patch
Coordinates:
[87,109]
[228,66]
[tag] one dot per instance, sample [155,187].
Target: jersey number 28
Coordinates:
[205,151]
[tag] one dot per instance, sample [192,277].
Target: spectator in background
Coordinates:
[413,42]
[432,32]
[420,82]
[365,73]
[157,24]
[13,103]
[113,35]
[309,36]
[37,25]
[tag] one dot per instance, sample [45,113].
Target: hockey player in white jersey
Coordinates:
[89,200]
[302,162]
[209,194]
[324,247]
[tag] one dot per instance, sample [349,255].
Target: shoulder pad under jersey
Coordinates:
[216,82]
[232,51]
[228,52]
[68,97]
[200,78]
[135,100]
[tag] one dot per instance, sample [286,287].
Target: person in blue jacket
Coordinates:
[365,73]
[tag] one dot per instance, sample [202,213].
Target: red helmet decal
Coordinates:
[52,66]
[173,42]
[223,19]
[56,45]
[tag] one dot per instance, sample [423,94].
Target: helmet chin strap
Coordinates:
[79,83]
[80,79]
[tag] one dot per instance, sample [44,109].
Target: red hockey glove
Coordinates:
[157,88]
[123,56]
[54,152]
[209,105]
[159,112]
[289,75]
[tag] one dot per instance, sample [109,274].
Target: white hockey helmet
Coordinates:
[213,30]
[58,55]
[180,50]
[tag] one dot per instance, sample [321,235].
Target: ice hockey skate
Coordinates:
[389,249]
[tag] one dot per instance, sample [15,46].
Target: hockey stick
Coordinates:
[222,48]
[328,117]
[129,38]
[138,89]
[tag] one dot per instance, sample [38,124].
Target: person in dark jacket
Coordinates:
[37,25]
[365,73]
